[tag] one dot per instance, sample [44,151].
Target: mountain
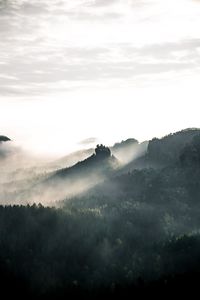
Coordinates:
[119,171]
[120,228]
[124,151]
[64,183]
[158,153]
[5,150]
[167,149]
[101,161]
[4,138]
[84,174]
[128,150]
[168,171]
[71,159]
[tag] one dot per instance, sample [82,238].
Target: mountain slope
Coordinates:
[67,182]
[158,153]
[173,184]
[4,138]
[167,149]
[101,161]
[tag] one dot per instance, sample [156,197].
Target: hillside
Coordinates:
[4,138]
[5,148]
[52,187]
[125,151]
[167,149]
[171,189]
[107,174]
[101,161]
[158,153]
[135,232]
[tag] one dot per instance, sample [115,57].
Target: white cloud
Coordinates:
[88,49]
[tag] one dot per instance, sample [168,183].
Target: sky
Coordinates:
[77,72]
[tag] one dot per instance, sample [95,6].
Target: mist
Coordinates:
[28,179]
[99,148]
[139,60]
[130,207]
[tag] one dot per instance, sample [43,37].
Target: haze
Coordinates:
[74,71]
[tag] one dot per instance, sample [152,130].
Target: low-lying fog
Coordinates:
[27,179]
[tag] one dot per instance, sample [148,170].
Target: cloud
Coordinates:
[91,16]
[88,141]
[47,46]
[169,50]
[40,69]
[100,3]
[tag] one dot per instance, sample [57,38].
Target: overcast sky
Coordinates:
[75,72]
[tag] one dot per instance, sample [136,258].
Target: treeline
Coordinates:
[53,253]
[137,232]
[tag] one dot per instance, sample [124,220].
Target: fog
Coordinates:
[133,207]
[67,65]
[28,179]
[99,183]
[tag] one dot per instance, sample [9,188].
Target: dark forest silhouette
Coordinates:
[135,232]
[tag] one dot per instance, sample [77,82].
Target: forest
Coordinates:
[135,231]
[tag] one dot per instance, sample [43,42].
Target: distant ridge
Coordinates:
[4,138]
[101,160]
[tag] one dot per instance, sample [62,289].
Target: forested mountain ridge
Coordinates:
[124,150]
[51,187]
[4,138]
[168,149]
[137,231]
[121,159]
[4,151]
[101,159]
[160,152]
[170,189]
